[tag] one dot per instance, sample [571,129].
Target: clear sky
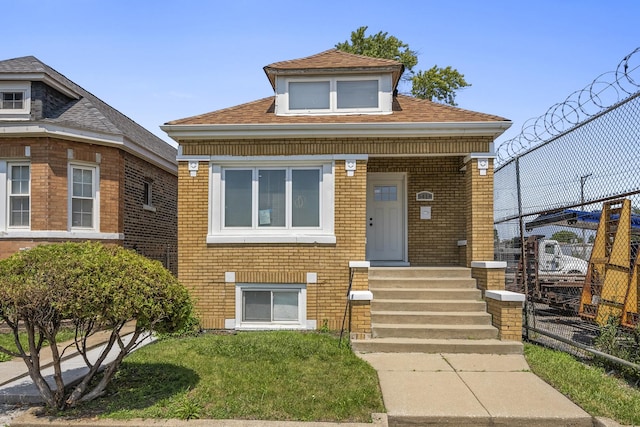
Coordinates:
[161,60]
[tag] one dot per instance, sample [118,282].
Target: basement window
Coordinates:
[271,306]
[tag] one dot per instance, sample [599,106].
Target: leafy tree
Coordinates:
[435,84]
[95,288]
[438,84]
[565,236]
[380,45]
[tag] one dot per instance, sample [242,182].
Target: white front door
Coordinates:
[386,217]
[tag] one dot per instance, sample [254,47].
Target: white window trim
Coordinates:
[324,234]
[17,114]
[5,182]
[384,95]
[96,196]
[302,306]
[8,195]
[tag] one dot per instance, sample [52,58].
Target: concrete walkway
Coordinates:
[469,390]
[418,389]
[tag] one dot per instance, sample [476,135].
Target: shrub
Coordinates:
[96,287]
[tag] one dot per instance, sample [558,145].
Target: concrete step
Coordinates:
[427,294]
[470,332]
[418,272]
[431,317]
[423,282]
[416,345]
[427,305]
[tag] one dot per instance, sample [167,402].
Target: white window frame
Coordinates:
[95,169]
[16,113]
[301,323]
[384,95]
[5,194]
[10,165]
[323,234]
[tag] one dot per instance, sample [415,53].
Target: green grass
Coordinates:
[588,386]
[7,341]
[253,375]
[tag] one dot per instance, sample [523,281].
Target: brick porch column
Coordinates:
[479,207]
[489,275]
[505,308]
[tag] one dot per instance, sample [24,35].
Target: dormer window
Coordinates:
[357,94]
[12,100]
[309,95]
[15,100]
[335,95]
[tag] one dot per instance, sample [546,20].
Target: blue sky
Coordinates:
[157,61]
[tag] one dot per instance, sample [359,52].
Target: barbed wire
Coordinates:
[604,91]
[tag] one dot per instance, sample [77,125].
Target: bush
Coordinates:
[96,287]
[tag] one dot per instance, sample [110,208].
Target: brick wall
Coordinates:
[507,317]
[152,231]
[49,186]
[479,212]
[201,267]
[372,146]
[433,241]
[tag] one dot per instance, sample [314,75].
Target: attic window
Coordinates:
[357,94]
[12,100]
[332,95]
[309,95]
[15,100]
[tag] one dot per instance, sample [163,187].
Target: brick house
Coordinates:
[288,202]
[72,168]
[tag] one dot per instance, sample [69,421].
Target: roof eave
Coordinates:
[395,70]
[41,77]
[182,133]
[31,129]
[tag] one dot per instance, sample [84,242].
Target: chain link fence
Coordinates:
[567,219]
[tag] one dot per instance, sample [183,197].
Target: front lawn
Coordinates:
[590,387]
[252,375]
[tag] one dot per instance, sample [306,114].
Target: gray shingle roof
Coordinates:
[90,112]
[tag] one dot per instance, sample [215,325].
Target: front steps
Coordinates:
[430,310]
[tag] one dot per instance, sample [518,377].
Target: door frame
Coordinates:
[401,178]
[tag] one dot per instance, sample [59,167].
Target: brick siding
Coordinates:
[49,193]
[201,267]
[507,318]
[151,233]
[455,215]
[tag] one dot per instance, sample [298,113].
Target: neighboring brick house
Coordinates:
[286,200]
[72,168]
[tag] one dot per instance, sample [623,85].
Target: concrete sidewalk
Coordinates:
[469,390]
